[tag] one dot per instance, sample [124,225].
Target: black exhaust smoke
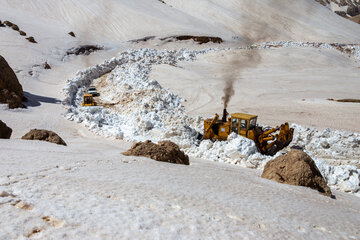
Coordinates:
[225,113]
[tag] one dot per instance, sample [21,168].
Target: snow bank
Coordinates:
[336,153]
[139,108]
[329,144]
[350,49]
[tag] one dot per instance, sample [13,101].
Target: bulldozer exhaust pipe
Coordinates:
[225,113]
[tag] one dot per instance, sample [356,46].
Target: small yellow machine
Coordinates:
[88,100]
[268,142]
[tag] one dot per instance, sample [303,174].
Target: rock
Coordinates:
[47,66]
[165,151]
[296,168]
[342,14]
[352,11]
[22,33]
[44,135]
[8,23]
[5,131]
[324,144]
[84,50]
[72,34]
[11,91]
[15,27]
[31,39]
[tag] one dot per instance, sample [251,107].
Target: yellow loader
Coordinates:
[268,141]
[88,100]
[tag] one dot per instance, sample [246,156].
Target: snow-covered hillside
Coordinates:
[286,59]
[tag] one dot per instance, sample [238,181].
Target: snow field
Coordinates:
[139,109]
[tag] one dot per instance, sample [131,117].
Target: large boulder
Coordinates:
[5,131]
[165,151]
[44,135]
[11,91]
[296,168]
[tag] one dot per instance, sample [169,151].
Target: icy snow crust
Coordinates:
[142,109]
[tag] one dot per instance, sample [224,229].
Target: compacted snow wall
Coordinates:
[142,109]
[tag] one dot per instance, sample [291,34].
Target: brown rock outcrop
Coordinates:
[5,131]
[198,39]
[296,168]
[165,151]
[72,34]
[22,33]
[11,91]
[44,135]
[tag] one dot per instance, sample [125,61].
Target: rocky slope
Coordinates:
[349,9]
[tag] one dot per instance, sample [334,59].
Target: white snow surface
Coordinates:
[141,109]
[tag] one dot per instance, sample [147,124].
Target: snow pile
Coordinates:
[137,108]
[350,49]
[336,153]
[140,108]
[236,150]
[345,178]
[329,144]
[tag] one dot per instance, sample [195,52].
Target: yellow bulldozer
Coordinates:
[268,141]
[88,100]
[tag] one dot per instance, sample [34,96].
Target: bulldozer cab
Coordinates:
[241,123]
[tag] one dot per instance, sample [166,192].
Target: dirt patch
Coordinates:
[44,135]
[84,50]
[53,221]
[296,168]
[199,39]
[33,231]
[11,91]
[347,49]
[355,19]
[346,100]
[5,131]
[22,205]
[165,151]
